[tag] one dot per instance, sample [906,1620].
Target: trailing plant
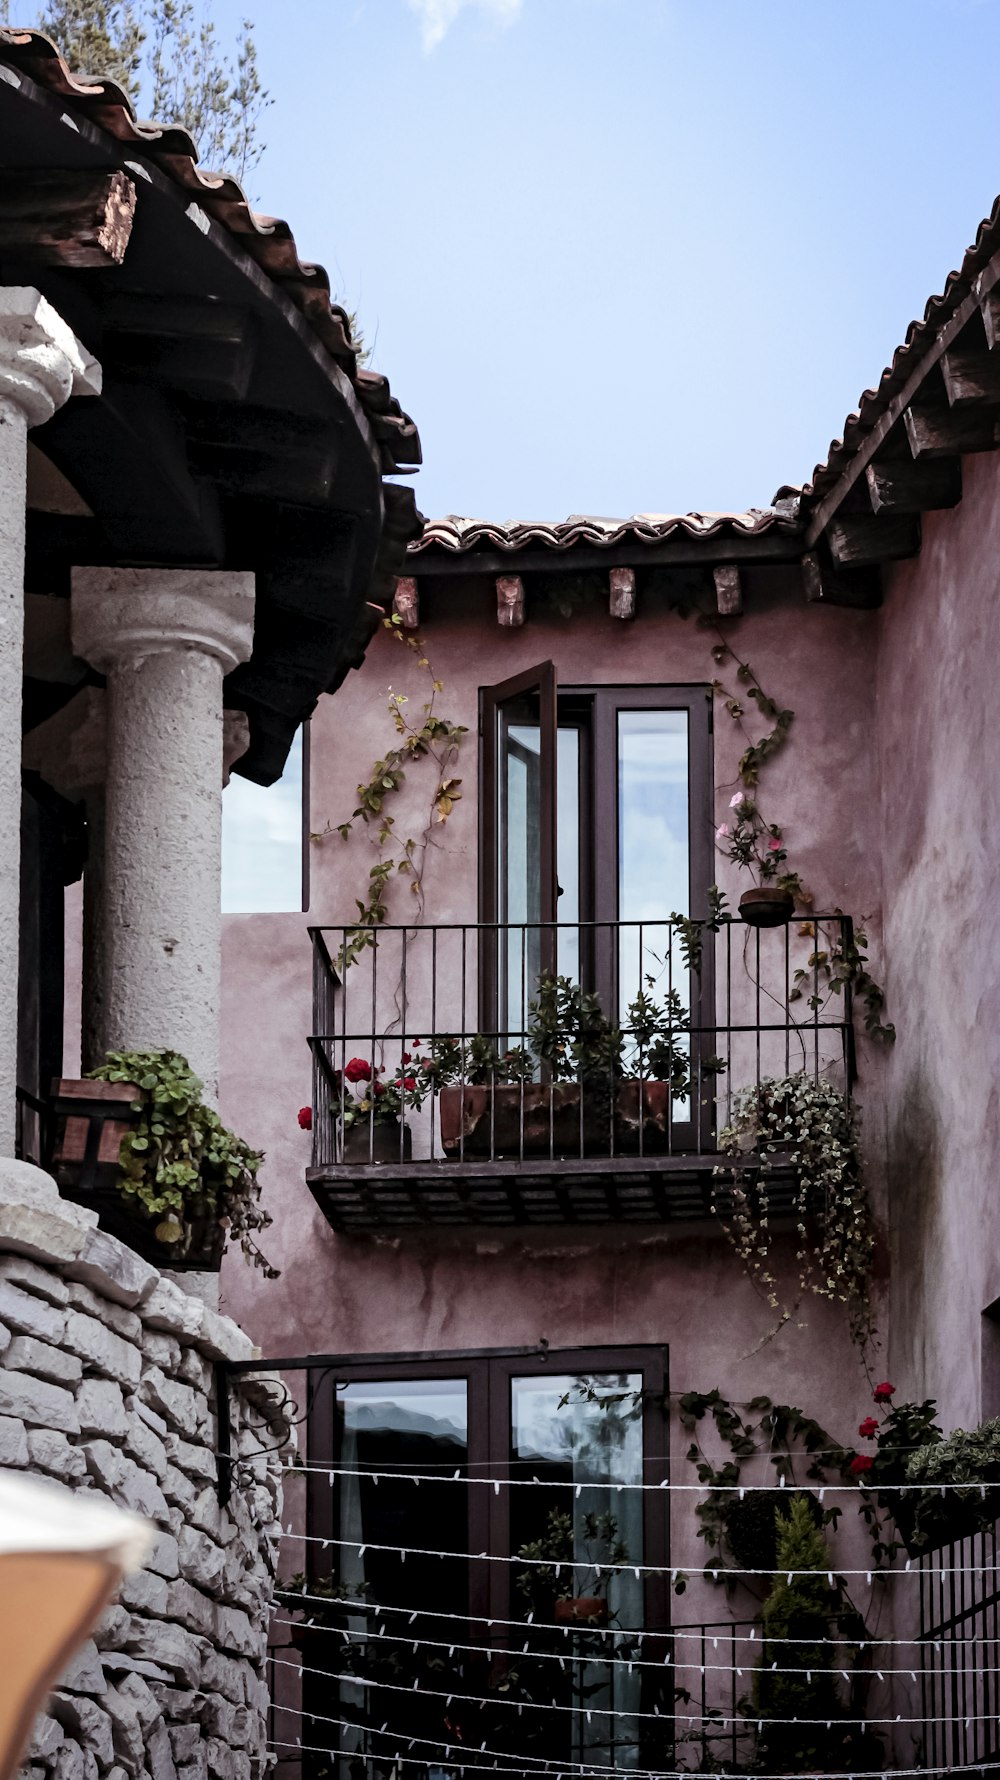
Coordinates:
[178,1162]
[429,737]
[808,1121]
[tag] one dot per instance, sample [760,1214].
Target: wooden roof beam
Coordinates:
[971,378]
[510,601]
[406,602]
[728,590]
[828,586]
[857,539]
[936,430]
[621,596]
[924,485]
[65,219]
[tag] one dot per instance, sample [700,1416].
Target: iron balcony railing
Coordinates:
[453,1046]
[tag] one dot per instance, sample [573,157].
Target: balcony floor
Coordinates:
[599,1190]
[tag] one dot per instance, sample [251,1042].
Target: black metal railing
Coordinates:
[960,1654]
[472,1043]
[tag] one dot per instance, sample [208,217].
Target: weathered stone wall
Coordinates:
[107,1385]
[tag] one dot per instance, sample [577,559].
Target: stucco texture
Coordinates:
[442,1289]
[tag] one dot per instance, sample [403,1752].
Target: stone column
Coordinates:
[41,365]
[164,638]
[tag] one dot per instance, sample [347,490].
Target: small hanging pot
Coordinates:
[767,907]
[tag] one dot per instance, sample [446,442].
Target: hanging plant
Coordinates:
[178,1164]
[810,1125]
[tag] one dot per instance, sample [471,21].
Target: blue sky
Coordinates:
[620,255]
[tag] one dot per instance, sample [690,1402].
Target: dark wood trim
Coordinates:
[65,218]
[924,485]
[896,408]
[857,539]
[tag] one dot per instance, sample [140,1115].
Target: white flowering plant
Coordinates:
[803,1123]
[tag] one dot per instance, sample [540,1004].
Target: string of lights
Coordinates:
[674,1632]
[708,1572]
[454,1757]
[627,1663]
[588,1713]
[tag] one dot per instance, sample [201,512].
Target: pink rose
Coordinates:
[722,831]
[737,798]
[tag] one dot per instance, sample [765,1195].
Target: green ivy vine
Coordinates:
[428,736]
[179,1163]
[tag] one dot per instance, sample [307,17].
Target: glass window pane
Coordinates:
[653,864]
[409,1425]
[262,842]
[519,853]
[562,1435]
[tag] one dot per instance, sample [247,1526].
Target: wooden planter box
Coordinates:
[565,1119]
[92,1118]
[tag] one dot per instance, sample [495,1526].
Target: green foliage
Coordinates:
[553,1576]
[178,1161]
[841,965]
[796,1678]
[476,1062]
[571,1034]
[167,56]
[431,737]
[809,1122]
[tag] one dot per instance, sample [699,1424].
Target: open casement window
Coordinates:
[556,1582]
[596,826]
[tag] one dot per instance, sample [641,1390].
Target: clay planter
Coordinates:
[767,907]
[581,1610]
[92,1118]
[365,1143]
[542,1118]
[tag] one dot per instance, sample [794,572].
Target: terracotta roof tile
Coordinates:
[268,240]
[455,533]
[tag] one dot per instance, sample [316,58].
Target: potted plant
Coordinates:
[757,846]
[371,1112]
[181,1183]
[911,1459]
[603,1084]
[807,1126]
[548,1587]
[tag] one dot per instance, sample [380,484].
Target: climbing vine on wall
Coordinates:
[425,736]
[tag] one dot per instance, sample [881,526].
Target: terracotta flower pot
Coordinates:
[512,1120]
[767,907]
[582,1610]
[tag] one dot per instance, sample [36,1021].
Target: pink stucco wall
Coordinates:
[940,800]
[440,1289]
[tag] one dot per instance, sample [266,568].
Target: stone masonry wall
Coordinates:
[107,1385]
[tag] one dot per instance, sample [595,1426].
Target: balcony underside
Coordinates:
[599,1190]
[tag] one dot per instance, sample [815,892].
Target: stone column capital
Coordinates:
[42,363]
[123,616]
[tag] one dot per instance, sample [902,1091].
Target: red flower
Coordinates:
[378,1088]
[868,1428]
[306,1117]
[416,1043]
[358,1070]
[884,1393]
[406,1057]
[410,1082]
[863,1462]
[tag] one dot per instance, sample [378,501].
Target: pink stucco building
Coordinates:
[539,1218]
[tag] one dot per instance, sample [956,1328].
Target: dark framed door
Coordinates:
[528,1457]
